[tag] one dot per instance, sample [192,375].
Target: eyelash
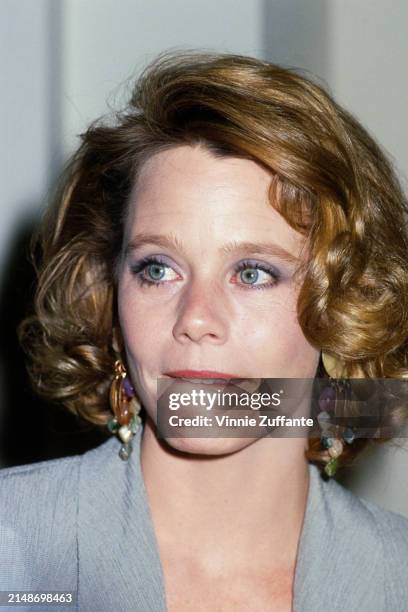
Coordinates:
[138,269]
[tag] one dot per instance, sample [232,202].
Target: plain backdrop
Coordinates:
[66,62]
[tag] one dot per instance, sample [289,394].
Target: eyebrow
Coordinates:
[244,248]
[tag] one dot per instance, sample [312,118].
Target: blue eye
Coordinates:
[152,271]
[254,274]
[156,271]
[249,276]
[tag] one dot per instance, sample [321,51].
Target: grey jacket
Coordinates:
[83,524]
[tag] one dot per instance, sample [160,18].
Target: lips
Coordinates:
[206,377]
[204,381]
[223,380]
[203,375]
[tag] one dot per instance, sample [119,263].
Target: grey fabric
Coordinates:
[84,524]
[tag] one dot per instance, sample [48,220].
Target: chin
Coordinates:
[210,447]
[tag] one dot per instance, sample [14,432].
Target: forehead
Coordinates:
[196,171]
[189,190]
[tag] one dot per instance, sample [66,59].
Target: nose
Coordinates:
[201,316]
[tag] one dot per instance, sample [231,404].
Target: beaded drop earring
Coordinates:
[125,407]
[333,436]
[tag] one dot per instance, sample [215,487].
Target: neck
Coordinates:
[225,512]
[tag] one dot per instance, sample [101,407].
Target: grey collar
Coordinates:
[119,563]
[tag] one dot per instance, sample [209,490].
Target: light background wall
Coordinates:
[64,63]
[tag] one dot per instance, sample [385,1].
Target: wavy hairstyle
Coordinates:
[329,180]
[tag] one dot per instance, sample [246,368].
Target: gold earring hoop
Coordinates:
[125,407]
[334,366]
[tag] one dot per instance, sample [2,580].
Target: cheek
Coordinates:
[140,327]
[299,357]
[275,339]
[139,323]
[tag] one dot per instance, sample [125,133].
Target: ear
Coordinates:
[117,339]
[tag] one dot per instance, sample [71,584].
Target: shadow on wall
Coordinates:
[296,34]
[31,429]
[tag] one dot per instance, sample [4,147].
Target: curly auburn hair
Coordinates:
[329,180]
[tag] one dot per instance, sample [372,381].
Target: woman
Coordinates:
[233,223]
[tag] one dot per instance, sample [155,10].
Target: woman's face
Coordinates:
[206,279]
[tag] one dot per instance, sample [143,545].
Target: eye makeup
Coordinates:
[154,264]
[249,264]
[139,269]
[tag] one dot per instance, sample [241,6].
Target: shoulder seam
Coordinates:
[41,465]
